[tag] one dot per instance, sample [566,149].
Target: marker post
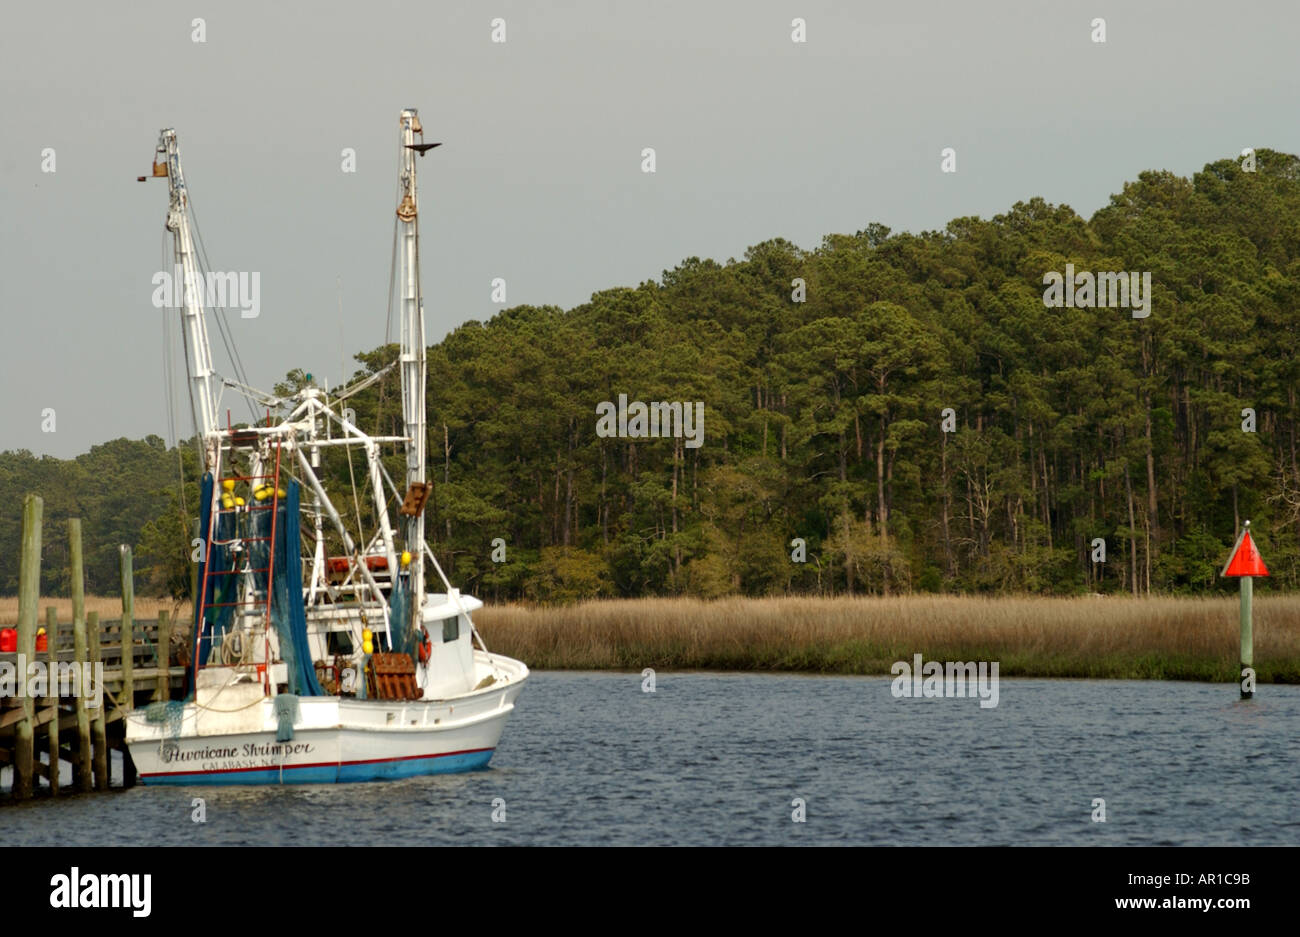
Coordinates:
[1247,635]
[1246,563]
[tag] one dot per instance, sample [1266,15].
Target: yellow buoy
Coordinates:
[406,558]
[228,484]
[367,641]
[239,502]
[227,502]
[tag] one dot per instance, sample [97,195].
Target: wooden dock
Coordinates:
[56,719]
[81,735]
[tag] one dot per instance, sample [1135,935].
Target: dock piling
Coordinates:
[84,675]
[128,654]
[52,656]
[128,628]
[98,724]
[163,693]
[84,769]
[29,587]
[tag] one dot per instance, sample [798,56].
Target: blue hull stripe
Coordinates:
[381,769]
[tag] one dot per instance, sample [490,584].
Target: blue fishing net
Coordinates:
[288,614]
[170,713]
[401,627]
[286,714]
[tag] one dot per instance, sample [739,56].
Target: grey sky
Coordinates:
[539,178]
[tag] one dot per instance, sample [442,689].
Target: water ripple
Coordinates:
[717,759]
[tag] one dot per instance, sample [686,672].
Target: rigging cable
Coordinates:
[356,501]
[388,328]
[392,288]
[169,385]
[392,263]
[169,388]
[223,325]
[189,382]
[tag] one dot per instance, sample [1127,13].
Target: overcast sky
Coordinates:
[539,180]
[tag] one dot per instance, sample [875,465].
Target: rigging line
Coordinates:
[228,340]
[180,469]
[169,387]
[348,390]
[392,282]
[419,312]
[397,498]
[392,287]
[392,258]
[223,325]
[169,381]
[423,352]
[388,325]
[189,382]
[169,391]
[233,351]
[356,504]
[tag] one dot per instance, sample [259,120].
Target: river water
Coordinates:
[591,759]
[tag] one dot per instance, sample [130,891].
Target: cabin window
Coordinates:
[450,629]
[338,642]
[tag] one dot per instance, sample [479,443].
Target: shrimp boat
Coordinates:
[317,654]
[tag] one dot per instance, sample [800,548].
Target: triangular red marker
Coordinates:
[1245,559]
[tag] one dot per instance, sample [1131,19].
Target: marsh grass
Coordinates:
[1122,638]
[1125,638]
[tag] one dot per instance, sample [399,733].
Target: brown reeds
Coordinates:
[1111,637]
[1151,638]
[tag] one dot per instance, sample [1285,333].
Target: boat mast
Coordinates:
[198,360]
[413,348]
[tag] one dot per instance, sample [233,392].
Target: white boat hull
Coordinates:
[335,739]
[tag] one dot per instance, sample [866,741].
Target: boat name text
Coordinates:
[249,750]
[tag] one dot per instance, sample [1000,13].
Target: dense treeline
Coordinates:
[824,418]
[124,491]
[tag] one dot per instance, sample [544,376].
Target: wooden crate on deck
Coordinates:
[394,676]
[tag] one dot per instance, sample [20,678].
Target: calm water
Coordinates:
[588,758]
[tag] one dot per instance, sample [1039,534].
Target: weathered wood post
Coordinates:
[163,692]
[52,656]
[29,589]
[128,629]
[98,725]
[83,765]
[127,699]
